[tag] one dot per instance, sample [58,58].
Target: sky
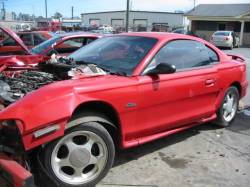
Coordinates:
[37,7]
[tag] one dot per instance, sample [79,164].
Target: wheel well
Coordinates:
[238,86]
[105,113]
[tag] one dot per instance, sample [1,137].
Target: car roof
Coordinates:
[161,36]
[27,32]
[87,34]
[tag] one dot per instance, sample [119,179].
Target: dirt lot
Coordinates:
[198,157]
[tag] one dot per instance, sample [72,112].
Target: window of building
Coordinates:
[206,25]
[221,26]
[247,27]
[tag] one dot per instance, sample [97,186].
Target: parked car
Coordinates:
[34,38]
[30,39]
[61,45]
[225,39]
[124,90]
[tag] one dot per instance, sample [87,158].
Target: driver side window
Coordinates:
[184,54]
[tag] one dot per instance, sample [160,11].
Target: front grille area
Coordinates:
[10,140]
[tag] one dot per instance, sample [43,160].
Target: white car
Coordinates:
[225,39]
[106,28]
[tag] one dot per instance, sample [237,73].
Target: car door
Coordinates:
[169,101]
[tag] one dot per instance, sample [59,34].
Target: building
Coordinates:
[71,24]
[205,19]
[138,20]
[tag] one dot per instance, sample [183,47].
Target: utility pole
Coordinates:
[46,9]
[72,12]
[194,4]
[127,16]
[3,9]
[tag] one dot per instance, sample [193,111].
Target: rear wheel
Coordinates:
[82,157]
[232,46]
[228,109]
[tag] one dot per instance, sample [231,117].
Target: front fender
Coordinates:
[42,109]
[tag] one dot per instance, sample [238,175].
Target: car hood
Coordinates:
[64,95]
[15,37]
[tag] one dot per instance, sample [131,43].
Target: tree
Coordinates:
[57,15]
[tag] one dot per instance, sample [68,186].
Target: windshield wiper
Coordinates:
[120,73]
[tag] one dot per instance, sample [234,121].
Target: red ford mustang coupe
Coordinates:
[122,90]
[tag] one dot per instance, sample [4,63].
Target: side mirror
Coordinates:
[162,68]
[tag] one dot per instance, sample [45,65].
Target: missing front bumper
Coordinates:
[13,174]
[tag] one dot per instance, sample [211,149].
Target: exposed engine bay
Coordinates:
[18,84]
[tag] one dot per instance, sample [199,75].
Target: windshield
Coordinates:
[117,54]
[44,45]
[222,33]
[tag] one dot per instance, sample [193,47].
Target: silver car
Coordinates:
[225,39]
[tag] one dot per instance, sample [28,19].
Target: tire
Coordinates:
[231,47]
[224,117]
[85,150]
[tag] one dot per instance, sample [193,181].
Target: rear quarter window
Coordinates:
[222,33]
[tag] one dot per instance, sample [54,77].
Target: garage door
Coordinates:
[94,22]
[140,24]
[117,22]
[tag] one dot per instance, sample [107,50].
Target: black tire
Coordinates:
[92,127]
[231,47]
[220,121]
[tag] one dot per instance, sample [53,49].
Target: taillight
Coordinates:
[226,38]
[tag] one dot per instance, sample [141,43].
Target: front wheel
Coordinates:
[228,109]
[82,157]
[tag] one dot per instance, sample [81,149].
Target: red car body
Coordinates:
[26,57]
[193,96]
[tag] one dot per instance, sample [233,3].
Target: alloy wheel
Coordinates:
[229,106]
[79,157]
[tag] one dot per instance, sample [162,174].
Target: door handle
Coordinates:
[210,82]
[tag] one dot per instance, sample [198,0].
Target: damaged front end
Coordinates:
[14,162]
[15,167]
[16,85]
